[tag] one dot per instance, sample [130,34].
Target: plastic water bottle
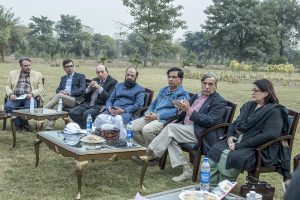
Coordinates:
[31,107]
[59,107]
[129,130]
[205,175]
[89,124]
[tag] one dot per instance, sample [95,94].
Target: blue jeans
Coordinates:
[14,105]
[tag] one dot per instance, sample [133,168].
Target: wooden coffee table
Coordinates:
[82,155]
[39,116]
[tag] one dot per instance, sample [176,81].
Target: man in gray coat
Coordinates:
[205,109]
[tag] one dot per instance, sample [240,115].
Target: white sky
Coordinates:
[101,15]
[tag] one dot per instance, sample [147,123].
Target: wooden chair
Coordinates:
[289,139]
[195,149]
[39,102]
[147,101]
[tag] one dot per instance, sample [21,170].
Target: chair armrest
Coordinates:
[262,147]
[207,131]
[171,120]
[139,112]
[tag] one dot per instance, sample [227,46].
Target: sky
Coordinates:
[101,15]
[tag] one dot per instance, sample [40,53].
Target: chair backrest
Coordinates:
[293,118]
[229,112]
[148,97]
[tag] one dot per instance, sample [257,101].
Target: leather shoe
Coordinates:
[28,128]
[139,161]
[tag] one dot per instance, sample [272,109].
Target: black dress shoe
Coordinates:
[28,128]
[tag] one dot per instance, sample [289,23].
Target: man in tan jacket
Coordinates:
[21,85]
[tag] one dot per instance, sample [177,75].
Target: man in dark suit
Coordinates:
[205,109]
[71,89]
[96,95]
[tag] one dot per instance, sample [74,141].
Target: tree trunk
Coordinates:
[2,53]
[281,47]
[146,55]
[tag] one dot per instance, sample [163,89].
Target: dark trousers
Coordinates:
[17,104]
[80,113]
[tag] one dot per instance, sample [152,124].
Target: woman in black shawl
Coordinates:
[260,121]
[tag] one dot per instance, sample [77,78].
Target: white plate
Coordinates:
[197,195]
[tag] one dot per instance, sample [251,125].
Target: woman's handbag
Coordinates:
[261,187]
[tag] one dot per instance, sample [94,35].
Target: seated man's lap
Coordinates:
[12,105]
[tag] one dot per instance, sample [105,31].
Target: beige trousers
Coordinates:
[169,138]
[145,132]
[68,101]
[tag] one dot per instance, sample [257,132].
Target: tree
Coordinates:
[41,37]
[155,21]
[69,29]
[7,22]
[287,20]
[18,41]
[199,43]
[241,29]
[103,45]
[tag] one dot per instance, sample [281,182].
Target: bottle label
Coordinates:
[129,133]
[204,177]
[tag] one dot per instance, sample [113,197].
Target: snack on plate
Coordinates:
[197,195]
[94,139]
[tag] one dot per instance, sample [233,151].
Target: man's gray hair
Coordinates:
[210,75]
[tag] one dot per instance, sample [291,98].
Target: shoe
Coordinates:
[186,175]
[28,128]
[139,161]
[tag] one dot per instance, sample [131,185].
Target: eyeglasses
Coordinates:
[255,90]
[68,66]
[172,77]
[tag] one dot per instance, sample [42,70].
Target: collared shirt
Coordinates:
[68,86]
[195,107]
[23,86]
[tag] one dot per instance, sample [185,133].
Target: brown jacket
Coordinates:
[35,82]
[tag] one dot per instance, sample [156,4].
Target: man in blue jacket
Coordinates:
[161,109]
[71,89]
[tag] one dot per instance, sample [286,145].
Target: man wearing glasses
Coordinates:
[96,95]
[205,109]
[21,85]
[161,109]
[71,89]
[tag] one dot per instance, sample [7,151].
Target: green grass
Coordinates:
[55,177]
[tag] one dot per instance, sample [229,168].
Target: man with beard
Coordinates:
[96,95]
[23,83]
[126,98]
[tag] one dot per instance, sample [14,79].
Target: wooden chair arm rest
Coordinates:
[262,147]
[171,120]
[207,131]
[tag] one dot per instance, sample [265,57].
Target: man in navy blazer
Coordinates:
[71,89]
[205,109]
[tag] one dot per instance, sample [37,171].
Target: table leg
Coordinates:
[39,125]
[37,143]
[79,166]
[13,129]
[144,169]
[67,120]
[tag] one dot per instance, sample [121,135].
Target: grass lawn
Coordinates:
[55,176]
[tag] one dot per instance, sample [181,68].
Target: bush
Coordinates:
[285,68]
